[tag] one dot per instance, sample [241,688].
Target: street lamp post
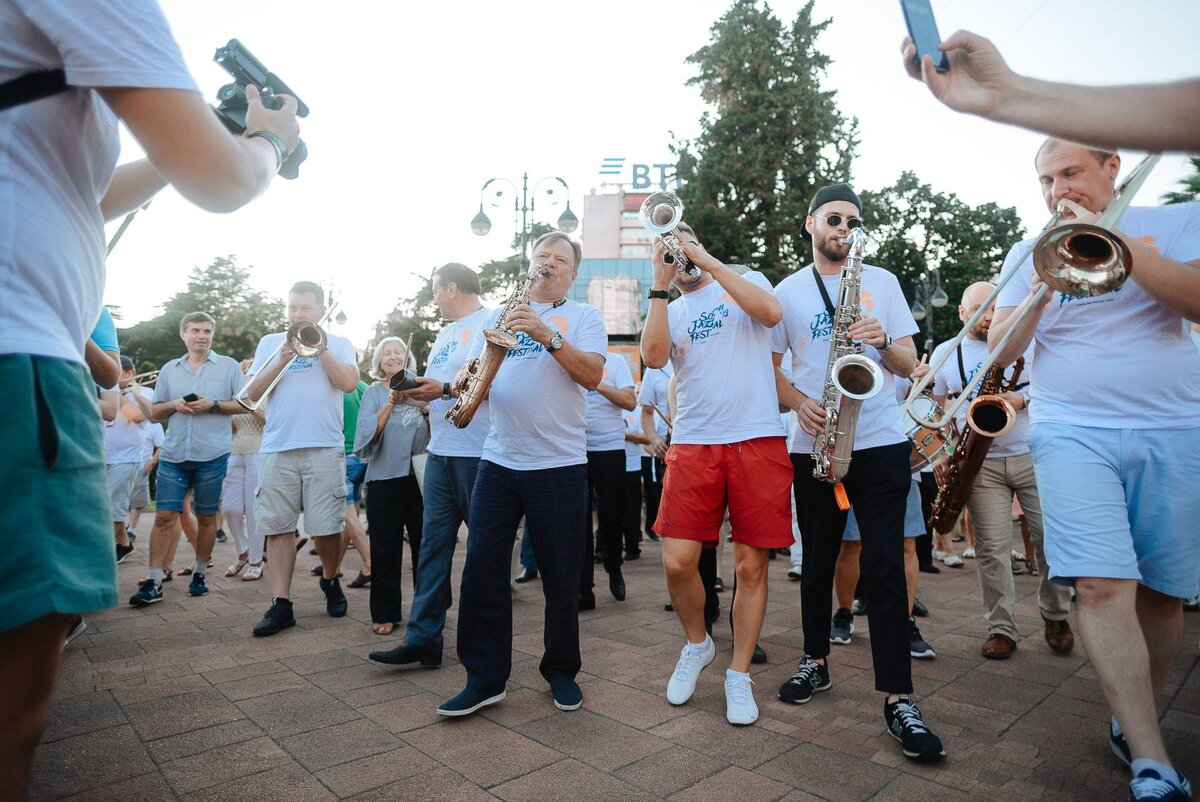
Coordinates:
[523,209]
[929,296]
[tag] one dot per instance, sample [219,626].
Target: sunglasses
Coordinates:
[835,220]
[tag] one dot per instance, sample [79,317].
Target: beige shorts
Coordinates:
[308,479]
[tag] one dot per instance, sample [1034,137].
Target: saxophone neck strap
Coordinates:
[824,292]
[962,371]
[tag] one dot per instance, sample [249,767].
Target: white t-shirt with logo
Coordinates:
[605,423]
[655,384]
[446,357]
[633,451]
[123,438]
[538,412]
[949,382]
[807,330]
[722,356]
[1119,360]
[58,159]
[306,408]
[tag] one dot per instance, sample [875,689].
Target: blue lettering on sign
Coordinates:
[708,323]
[641,175]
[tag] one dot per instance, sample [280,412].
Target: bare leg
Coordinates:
[281,553]
[329,549]
[172,541]
[135,515]
[354,532]
[1161,619]
[912,571]
[749,604]
[1109,625]
[845,575]
[681,559]
[119,534]
[29,660]
[206,537]
[164,537]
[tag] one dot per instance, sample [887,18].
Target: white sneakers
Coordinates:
[692,660]
[740,708]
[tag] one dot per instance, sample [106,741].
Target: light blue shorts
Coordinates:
[1120,504]
[914,522]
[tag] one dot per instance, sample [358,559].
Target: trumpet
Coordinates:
[306,341]
[661,214]
[1078,259]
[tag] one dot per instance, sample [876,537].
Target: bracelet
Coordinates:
[664,294]
[281,153]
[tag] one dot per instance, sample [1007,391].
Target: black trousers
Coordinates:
[393,505]
[605,479]
[928,486]
[652,476]
[878,484]
[631,511]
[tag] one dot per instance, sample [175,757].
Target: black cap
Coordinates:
[828,193]
[126,363]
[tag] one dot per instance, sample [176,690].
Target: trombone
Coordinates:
[1078,259]
[146,379]
[305,340]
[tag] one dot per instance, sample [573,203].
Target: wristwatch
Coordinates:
[658,294]
[445,391]
[555,342]
[887,342]
[215,408]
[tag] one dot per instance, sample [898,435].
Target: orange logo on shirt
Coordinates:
[463,336]
[558,322]
[867,302]
[1149,241]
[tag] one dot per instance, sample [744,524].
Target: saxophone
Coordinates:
[472,383]
[989,416]
[850,377]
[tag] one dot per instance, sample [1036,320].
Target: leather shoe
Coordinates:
[405,653]
[527,575]
[1059,636]
[616,584]
[998,647]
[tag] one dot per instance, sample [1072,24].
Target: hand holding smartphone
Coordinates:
[922,28]
[190,397]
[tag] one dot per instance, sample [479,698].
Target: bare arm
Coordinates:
[109,401]
[1175,285]
[343,376]
[132,185]
[190,149]
[105,366]
[1153,117]
[758,303]
[809,412]
[656,334]
[623,398]
[584,367]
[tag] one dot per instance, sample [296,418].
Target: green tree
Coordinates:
[915,231]
[242,314]
[772,138]
[1190,186]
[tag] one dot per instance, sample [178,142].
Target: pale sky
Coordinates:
[415,105]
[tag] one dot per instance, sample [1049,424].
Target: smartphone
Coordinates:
[190,397]
[922,28]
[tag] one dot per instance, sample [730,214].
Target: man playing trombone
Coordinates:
[196,392]
[303,448]
[1115,437]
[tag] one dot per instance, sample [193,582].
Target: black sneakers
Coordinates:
[335,599]
[123,552]
[809,678]
[842,627]
[279,617]
[905,724]
[917,647]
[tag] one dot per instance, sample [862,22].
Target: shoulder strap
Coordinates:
[824,293]
[32,86]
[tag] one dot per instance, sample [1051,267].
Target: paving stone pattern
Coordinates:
[179,701]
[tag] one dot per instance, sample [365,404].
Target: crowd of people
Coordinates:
[723,437]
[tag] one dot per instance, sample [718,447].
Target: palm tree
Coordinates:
[1190,184]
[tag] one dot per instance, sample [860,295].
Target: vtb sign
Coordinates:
[640,176]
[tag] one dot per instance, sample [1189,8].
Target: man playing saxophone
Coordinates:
[534,464]
[878,480]
[1007,469]
[1115,437]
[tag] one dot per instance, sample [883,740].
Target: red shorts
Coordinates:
[753,478]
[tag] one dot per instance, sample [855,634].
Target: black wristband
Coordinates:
[658,294]
[445,390]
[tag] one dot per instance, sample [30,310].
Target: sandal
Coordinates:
[952,561]
[253,571]
[383,629]
[237,567]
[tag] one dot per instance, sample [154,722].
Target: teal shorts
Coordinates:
[58,554]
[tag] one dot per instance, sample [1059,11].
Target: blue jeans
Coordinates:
[448,484]
[554,502]
[203,478]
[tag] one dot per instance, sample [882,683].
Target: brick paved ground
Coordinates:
[178,701]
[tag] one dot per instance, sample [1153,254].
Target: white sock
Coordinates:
[199,568]
[1116,728]
[1168,773]
[156,575]
[731,674]
[702,646]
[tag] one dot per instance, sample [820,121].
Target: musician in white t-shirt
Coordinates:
[1008,469]
[728,451]
[1115,436]
[656,415]
[534,465]
[303,460]
[879,480]
[450,468]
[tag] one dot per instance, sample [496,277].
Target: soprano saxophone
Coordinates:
[850,378]
[473,382]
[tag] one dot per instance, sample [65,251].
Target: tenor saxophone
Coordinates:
[850,377]
[989,416]
[472,384]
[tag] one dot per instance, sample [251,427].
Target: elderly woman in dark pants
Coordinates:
[390,431]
